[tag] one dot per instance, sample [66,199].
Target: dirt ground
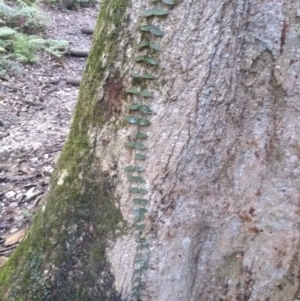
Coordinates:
[35,115]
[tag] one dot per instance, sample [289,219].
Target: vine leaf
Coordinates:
[140,156]
[132,168]
[154,46]
[168,2]
[154,12]
[146,93]
[137,272]
[140,202]
[146,59]
[137,179]
[143,122]
[139,218]
[133,91]
[132,119]
[145,27]
[141,135]
[139,169]
[137,190]
[143,44]
[136,145]
[137,279]
[145,75]
[140,210]
[156,31]
[145,109]
[140,227]
[133,107]
[139,121]
[142,246]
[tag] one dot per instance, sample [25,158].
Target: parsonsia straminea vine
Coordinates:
[139,111]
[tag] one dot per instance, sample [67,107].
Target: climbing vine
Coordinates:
[139,111]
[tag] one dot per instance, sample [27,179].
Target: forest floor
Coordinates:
[35,116]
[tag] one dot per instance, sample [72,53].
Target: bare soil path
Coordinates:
[35,115]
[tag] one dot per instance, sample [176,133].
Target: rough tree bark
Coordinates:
[222,167]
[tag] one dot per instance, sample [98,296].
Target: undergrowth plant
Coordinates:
[139,110]
[19,41]
[72,4]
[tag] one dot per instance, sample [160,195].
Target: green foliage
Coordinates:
[154,12]
[17,41]
[72,4]
[140,109]
[146,75]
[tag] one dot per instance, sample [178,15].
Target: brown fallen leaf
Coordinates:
[3,261]
[15,238]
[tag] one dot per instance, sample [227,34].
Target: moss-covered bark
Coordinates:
[63,256]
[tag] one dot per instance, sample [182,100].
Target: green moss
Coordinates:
[63,256]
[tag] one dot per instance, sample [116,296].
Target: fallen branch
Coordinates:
[73,81]
[87,30]
[78,53]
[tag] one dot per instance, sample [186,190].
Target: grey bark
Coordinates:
[223,156]
[223,171]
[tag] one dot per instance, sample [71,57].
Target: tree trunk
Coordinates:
[220,220]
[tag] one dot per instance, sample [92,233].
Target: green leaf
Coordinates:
[145,109]
[136,145]
[133,107]
[139,169]
[145,27]
[140,227]
[132,119]
[137,272]
[142,239]
[142,246]
[154,46]
[155,30]
[136,295]
[147,13]
[140,156]
[137,179]
[168,2]
[133,91]
[141,135]
[154,12]
[145,75]
[7,31]
[140,202]
[143,44]
[139,218]
[138,190]
[137,279]
[140,145]
[146,59]
[146,93]
[130,168]
[140,210]
[144,267]
[143,122]
[160,12]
